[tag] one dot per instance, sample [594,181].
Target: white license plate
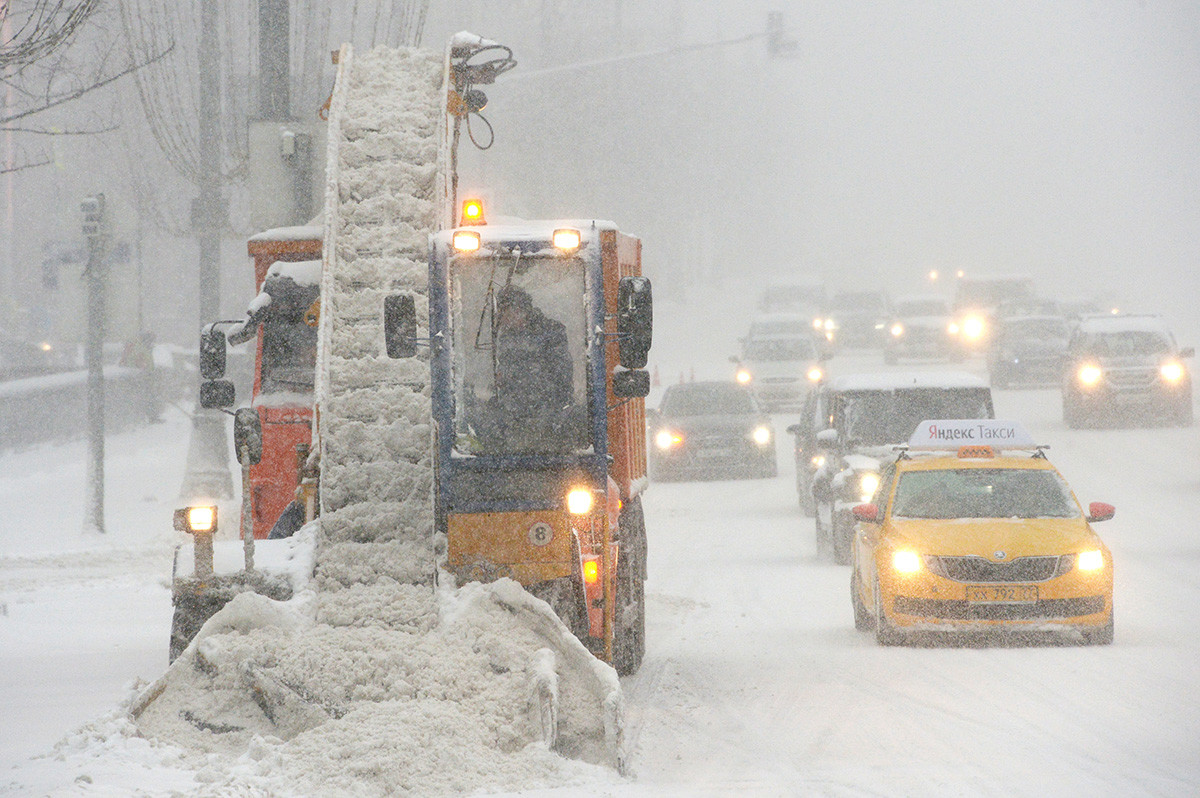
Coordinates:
[1002,594]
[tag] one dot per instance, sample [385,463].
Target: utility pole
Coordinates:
[94,223]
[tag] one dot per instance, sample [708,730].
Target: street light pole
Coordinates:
[94,230]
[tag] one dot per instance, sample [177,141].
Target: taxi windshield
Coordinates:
[983,493]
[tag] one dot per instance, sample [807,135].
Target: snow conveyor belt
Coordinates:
[380,678]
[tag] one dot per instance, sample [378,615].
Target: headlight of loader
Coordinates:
[761,435]
[743,376]
[815,374]
[897,330]
[867,485]
[579,501]
[973,328]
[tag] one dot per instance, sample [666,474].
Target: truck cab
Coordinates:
[540,430]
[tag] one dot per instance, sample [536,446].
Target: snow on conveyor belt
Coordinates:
[376,680]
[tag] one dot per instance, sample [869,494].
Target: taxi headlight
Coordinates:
[579,501]
[815,374]
[1089,374]
[867,484]
[761,435]
[906,562]
[667,439]
[744,376]
[1090,560]
[897,330]
[1171,371]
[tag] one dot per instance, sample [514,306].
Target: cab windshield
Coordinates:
[983,493]
[519,329]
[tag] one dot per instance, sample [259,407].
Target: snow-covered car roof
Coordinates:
[899,380]
[1121,323]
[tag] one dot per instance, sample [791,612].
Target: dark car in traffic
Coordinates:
[1028,350]
[713,430]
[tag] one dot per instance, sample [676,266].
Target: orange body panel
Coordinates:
[273,481]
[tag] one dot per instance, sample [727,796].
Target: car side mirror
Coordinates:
[631,384]
[400,325]
[212,354]
[1100,511]
[1187,351]
[216,393]
[247,436]
[635,321]
[866,512]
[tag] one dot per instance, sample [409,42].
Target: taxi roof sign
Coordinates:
[946,434]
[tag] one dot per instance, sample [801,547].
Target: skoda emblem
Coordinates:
[1000,555]
[540,533]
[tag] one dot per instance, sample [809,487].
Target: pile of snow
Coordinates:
[272,699]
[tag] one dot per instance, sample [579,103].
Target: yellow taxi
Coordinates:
[972,529]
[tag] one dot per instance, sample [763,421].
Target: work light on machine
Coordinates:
[566,238]
[197,519]
[466,241]
[579,501]
[472,212]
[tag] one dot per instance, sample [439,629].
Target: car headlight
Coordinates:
[1092,560]
[897,330]
[973,328]
[952,328]
[761,435]
[1171,371]
[815,374]
[818,324]
[906,562]
[867,485]
[579,501]
[1089,374]
[743,376]
[667,439]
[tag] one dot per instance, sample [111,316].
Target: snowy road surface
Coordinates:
[755,681]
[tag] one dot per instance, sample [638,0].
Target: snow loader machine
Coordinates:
[540,465]
[549,496]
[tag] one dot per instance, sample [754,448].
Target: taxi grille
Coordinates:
[963,610]
[980,569]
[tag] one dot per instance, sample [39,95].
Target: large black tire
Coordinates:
[564,597]
[863,621]
[629,636]
[192,609]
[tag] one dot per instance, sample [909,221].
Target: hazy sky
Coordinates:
[1055,138]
